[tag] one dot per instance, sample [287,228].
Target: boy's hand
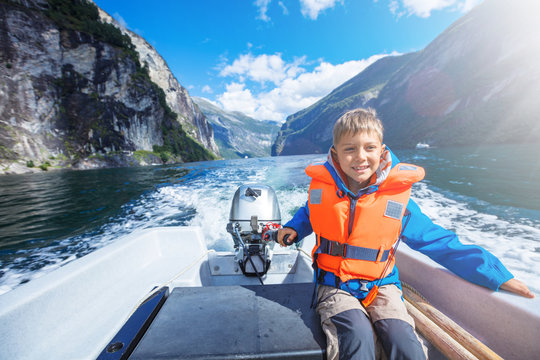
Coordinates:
[517,287]
[286,231]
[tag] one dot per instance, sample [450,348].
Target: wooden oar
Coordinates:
[449,347]
[450,338]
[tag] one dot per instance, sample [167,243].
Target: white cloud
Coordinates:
[309,8]
[124,25]
[120,20]
[262,68]
[207,89]
[283,8]
[263,8]
[395,8]
[312,8]
[467,5]
[293,87]
[237,98]
[423,8]
[420,8]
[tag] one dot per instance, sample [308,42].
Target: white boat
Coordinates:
[200,304]
[422,145]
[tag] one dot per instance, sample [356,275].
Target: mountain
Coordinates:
[477,82]
[310,130]
[236,134]
[177,97]
[76,91]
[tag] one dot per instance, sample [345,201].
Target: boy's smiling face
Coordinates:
[359,156]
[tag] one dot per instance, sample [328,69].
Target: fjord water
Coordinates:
[489,195]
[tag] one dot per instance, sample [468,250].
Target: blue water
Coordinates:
[488,195]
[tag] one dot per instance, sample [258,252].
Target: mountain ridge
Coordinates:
[311,128]
[237,134]
[477,82]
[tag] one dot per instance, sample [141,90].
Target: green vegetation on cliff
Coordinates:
[83,16]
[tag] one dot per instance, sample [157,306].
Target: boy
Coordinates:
[359,208]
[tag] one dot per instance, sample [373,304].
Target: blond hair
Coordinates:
[358,120]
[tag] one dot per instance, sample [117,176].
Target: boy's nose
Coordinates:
[361,154]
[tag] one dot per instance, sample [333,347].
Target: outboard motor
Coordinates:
[253,222]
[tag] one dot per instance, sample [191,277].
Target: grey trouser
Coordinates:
[352,331]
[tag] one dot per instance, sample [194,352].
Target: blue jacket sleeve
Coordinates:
[300,223]
[471,262]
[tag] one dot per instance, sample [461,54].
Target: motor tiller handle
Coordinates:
[285,240]
[271,235]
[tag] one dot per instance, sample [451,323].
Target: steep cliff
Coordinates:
[74,93]
[178,99]
[477,82]
[238,135]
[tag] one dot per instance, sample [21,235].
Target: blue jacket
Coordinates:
[471,262]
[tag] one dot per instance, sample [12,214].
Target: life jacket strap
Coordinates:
[347,251]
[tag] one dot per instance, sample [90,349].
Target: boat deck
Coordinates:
[241,322]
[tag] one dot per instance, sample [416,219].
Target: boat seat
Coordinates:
[240,322]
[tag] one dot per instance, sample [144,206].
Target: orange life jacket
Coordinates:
[364,252]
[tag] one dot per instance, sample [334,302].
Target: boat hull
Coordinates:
[75,311]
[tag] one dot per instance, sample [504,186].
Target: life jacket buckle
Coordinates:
[338,249]
[380,254]
[363,285]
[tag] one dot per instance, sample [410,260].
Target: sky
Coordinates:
[272,58]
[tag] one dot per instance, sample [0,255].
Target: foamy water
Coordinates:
[202,197]
[516,244]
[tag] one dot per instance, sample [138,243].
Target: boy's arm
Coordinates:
[471,262]
[300,223]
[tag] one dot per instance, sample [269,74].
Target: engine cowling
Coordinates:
[254,209]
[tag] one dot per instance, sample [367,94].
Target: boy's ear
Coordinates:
[333,151]
[383,150]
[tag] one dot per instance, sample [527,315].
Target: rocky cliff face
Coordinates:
[82,98]
[238,135]
[477,82]
[178,98]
